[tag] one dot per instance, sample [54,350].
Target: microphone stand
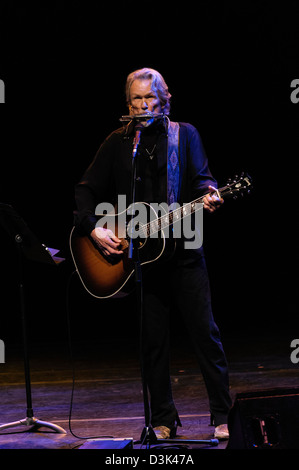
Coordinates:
[148,434]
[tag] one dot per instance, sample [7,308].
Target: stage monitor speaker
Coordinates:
[117,444]
[265,419]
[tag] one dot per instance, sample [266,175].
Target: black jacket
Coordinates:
[110,173]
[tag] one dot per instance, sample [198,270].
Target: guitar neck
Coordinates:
[170,218]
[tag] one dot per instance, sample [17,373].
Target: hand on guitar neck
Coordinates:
[212,201]
[107,241]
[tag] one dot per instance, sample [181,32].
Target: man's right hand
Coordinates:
[107,241]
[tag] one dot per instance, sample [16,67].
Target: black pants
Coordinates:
[185,284]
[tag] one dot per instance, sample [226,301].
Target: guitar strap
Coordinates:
[173,163]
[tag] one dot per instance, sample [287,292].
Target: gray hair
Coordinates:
[158,85]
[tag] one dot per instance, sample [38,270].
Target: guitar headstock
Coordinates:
[237,186]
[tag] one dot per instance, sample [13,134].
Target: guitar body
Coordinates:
[104,278]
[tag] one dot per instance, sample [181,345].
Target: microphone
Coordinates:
[141,117]
[136,142]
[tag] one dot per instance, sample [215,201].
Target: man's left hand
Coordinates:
[211,202]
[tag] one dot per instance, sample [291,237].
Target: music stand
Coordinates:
[28,246]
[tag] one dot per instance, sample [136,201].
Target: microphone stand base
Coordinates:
[36,423]
[148,437]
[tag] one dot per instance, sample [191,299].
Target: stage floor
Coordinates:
[107,396]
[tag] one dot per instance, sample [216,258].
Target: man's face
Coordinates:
[143,99]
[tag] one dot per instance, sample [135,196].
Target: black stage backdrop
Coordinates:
[230,68]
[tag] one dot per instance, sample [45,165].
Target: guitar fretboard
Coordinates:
[170,218]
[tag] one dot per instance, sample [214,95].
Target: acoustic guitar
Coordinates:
[113,277]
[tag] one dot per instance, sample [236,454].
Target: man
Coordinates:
[181,281]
